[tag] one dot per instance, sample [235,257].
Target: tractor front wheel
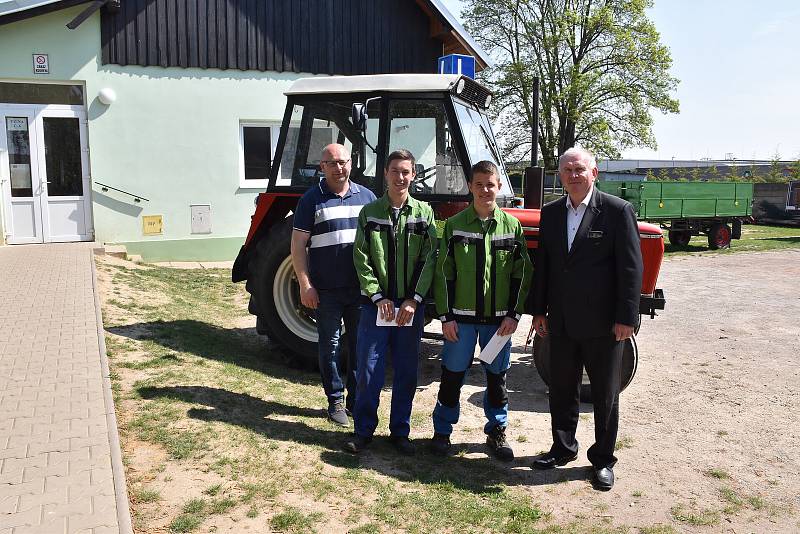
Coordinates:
[630,361]
[275,297]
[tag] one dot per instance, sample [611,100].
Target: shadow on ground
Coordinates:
[238,346]
[269,418]
[245,348]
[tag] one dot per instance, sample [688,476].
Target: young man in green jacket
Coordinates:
[394,255]
[481,281]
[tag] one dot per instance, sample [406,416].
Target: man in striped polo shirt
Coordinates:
[324,230]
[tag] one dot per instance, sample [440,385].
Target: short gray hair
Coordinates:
[581,152]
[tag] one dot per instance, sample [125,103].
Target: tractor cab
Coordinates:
[441,119]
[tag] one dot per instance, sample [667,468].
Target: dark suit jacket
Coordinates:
[598,283]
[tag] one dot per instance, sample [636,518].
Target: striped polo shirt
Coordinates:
[332,221]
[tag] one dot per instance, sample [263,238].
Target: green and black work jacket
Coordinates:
[482,275]
[395,259]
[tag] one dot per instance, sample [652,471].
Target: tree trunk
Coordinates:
[567,138]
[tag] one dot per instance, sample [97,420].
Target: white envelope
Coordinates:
[492,349]
[380,322]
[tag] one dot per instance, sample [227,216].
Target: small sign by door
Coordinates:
[41,64]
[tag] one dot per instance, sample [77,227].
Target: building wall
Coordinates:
[171,136]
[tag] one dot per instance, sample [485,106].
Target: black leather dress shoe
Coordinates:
[603,479]
[549,461]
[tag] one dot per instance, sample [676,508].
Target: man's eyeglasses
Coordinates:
[335,162]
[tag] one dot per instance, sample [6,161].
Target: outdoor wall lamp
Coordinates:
[106,95]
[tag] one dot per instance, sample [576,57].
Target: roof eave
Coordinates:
[459,33]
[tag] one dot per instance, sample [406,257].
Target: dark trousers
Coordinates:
[602,358]
[374,344]
[335,306]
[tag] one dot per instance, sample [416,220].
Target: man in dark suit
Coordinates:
[587,283]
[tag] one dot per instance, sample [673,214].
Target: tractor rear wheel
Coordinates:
[679,238]
[719,236]
[275,297]
[630,361]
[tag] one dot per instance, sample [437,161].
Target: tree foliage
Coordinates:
[601,66]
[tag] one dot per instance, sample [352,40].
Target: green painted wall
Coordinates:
[172,136]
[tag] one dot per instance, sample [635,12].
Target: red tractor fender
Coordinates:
[269,208]
[650,238]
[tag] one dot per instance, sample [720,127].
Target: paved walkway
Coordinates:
[60,467]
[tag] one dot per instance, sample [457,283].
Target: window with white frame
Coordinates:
[257,141]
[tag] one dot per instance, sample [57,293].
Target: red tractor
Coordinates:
[442,120]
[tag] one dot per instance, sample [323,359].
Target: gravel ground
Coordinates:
[710,425]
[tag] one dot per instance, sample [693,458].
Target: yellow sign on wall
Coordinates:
[152,224]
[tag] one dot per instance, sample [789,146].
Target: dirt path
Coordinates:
[710,425]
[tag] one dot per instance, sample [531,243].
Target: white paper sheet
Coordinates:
[380,322]
[492,349]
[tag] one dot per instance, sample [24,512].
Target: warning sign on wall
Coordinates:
[41,64]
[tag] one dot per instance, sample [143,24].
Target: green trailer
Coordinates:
[714,209]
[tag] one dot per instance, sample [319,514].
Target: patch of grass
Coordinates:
[213,490]
[153,424]
[522,438]
[252,512]
[319,486]
[145,495]
[195,506]
[185,523]
[293,520]
[625,442]
[693,516]
[734,503]
[637,493]
[261,490]
[441,506]
[657,529]
[220,506]
[719,474]
[368,528]
[756,502]
[722,433]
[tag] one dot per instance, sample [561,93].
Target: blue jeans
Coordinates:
[456,361]
[374,343]
[336,305]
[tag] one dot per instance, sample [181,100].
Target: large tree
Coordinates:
[601,66]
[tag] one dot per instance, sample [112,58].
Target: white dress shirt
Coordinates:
[575,216]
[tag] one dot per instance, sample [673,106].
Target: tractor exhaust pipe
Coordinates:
[534,176]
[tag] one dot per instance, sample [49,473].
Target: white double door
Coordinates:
[44,174]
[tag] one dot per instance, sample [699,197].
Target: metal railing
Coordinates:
[136,198]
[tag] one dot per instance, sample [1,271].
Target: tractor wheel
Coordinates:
[275,297]
[719,236]
[630,361]
[679,238]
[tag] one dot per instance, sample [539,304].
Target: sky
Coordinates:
[738,62]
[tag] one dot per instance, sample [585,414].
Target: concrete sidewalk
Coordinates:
[60,464]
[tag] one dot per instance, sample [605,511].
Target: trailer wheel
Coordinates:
[630,362]
[719,236]
[679,238]
[275,295]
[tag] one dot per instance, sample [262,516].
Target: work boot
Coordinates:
[337,414]
[496,441]
[403,445]
[440,444]
[357,443]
